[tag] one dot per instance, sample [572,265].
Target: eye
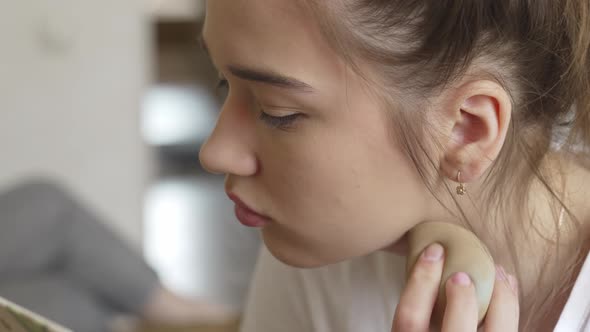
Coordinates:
[279,122]
[222,87]
[285,122]
[222,83]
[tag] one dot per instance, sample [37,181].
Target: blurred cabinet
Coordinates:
[72,77]
[176,10]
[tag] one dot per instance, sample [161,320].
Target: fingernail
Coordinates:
[513,283]
[433,253]
[461,279]
[500,273]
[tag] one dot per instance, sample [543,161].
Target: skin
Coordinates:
[465,253]
[334,183]
[417,301]
[293,175]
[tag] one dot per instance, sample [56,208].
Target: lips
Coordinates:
[246,215]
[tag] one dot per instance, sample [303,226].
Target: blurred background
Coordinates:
[112,100]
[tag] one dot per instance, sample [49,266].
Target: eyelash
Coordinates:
[277,122]
[222,83]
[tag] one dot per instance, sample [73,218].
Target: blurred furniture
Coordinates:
[60,260]
[176,10]
[191,236]
[229,327]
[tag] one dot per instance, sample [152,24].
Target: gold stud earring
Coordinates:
[461,190]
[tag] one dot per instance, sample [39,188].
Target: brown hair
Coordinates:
[537,49]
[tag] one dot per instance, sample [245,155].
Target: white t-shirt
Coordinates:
[353,296]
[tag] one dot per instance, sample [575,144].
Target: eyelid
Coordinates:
[285,123]
[265,108]
[276,107]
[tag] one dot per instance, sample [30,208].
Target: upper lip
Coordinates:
[238,201]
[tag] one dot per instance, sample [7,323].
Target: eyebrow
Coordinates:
[268,77]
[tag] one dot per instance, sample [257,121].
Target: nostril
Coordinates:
[228,160]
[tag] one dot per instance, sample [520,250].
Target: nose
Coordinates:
[228,150]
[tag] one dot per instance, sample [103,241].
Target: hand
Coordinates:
[414,311]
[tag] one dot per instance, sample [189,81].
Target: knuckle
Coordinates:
[407,319]
[457,295]
[426,274]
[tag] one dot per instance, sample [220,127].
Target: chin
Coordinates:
[300,254]
[292,256]
[295,255]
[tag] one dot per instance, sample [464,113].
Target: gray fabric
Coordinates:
[59,259]
[58,298]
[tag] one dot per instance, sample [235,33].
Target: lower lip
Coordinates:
[250,218]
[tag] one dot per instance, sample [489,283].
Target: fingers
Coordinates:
[414,311]
[461,311]
[417,300]
[503,313]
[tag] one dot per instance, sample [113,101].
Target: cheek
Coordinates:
[339,194]
[349,165]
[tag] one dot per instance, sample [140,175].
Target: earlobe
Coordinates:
[480,123]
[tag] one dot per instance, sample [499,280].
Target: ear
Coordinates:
[477,116]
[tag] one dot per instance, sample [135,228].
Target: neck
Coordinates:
[535,244]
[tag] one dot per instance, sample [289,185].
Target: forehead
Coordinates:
[256,9]
[250,16]
[257,23]
[274,33]
[250,27]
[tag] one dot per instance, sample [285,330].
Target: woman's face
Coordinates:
[302,140]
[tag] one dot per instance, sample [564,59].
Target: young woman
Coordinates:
[349,122]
